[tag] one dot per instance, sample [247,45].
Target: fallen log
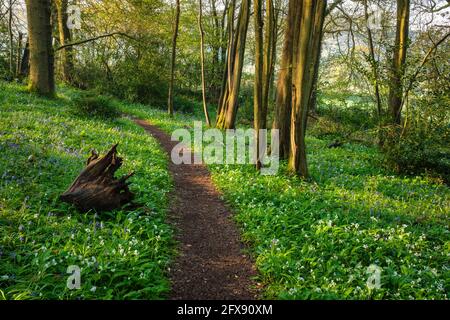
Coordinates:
[96,187]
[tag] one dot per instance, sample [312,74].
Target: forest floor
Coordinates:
[318,239]
[122,254]
[211,263]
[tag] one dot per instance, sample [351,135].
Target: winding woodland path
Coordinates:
[210,264]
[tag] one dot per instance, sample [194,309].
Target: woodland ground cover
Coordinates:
[317,239]
[309,239]
[44,143]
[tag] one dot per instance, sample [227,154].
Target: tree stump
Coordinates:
[96,187]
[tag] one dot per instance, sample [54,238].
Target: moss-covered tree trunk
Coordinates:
[303,82]
[41,51]
[65,37]
[398,62]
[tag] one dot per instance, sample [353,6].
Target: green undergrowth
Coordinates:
[44,143]
[329,237]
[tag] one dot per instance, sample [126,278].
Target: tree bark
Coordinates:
[283,101]
[65,38]
[373,62]
[317,52]
[41,51]
[398,61]
[303,79]
[18,54]
[258,90]
[11,40]
[25,61]
[173,58]
[267,61]
[227,112]
[202,62]
[216,65]
[228,60]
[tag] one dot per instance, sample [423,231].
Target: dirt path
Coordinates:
[211,264]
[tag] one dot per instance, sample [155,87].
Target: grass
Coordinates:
[123,254]
[310,240]
[319,239]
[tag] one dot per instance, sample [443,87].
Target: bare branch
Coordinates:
[94,39]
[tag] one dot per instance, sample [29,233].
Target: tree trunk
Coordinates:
[276,28]
[64,39]
[25,61]
[228,60]
[227,112]
[317,51]
[267,61]
[373,62]
[96,187]
[41,51]
[202,62]
[172,60]
[398,62]
[284,85]
[11,40]
[216,66]
[18,54]
[259,74]
[303,79]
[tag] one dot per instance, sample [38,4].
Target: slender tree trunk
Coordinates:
[11,39]
[25,61]
[173,58]
[284,85]
[267,61]
[259,77]
[202,61]
[302,84]
[276,28]
[227,60]
[18,54]
[41,51]
[398,62]
[227,116]
[317,51]
[64,39]
[216,68]
[373,62]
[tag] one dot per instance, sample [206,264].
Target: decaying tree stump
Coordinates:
[96,187]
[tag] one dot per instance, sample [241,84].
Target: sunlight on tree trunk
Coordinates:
[227,111]
[173,58]
[398,62]
[303,84]
[65,38]
[284,86]
[202,62]
[41,51]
